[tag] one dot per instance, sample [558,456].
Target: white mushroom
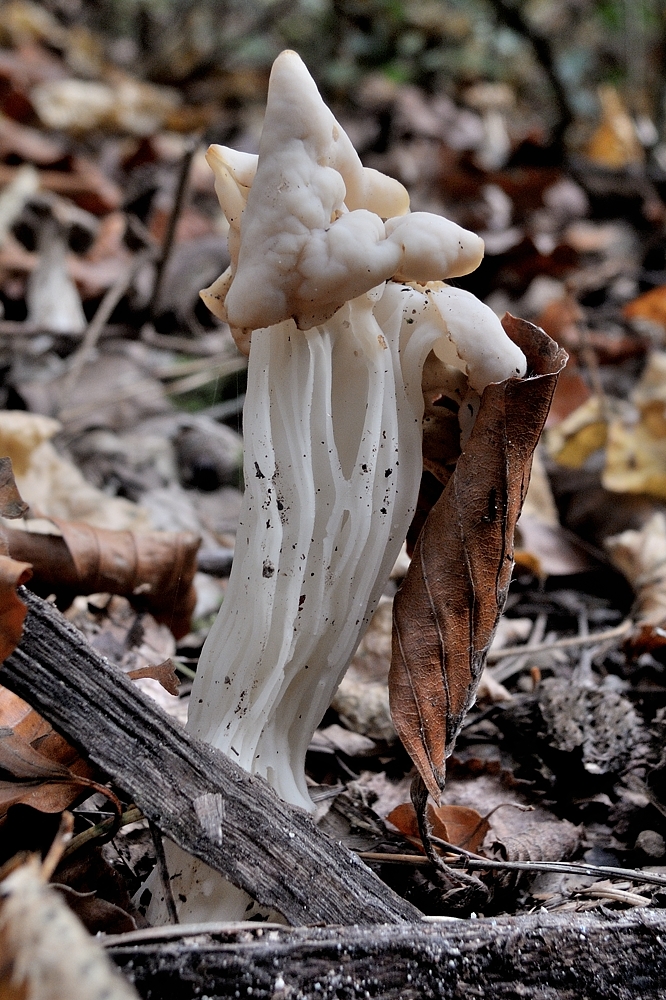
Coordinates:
[332,427]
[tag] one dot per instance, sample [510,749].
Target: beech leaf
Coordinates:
[458,825]
[153,569]
[446,612]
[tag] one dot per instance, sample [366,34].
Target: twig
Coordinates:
[57,849]
[195,381]
[513,17]
[513,665]
[94,329]
[22,329]
[208,345]
[169,236]
[166,932]
[132,815]
[163,873]
[228,408]
[400,859]
[477,863]
[419,795]
[572,642]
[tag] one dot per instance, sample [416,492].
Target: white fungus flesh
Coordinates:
[340,291]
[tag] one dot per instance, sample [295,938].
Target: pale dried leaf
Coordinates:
[47,953]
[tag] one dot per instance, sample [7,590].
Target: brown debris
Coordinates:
[153,569]
[457,583]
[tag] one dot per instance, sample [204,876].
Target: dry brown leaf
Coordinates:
[550,550]
[29,144]
[154,569]
[579,434]
[36,779]
[96,914]
[17,715]
[636,449]
[457,825]
[13,573]
[85,184]
[53,485]
[641,556]
[447,609]
[554,840]
[614,145]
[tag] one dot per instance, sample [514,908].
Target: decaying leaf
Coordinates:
[46,953]
[12,609]
[39,780]
[153,569]
[362,700]
[457,825]
[96,914]
[615,144]
[600,727]
[580,434]
[636,449]
[447,610]
[648,308]
[13,573]
[554,840]
[551,549]
[11,503]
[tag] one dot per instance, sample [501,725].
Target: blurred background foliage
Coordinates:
[222,49]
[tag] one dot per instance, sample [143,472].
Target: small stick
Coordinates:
[164,873]
[57,848]
[133,815]
[477,863]
[572,642]
[22,329]
[515,664]
[94,329]
[419,794]
[170,234]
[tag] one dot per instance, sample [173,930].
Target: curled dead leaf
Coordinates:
[447,609]
[554,840]
[37,780]
[641,556]
[153,569]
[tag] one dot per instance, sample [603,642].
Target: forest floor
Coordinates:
[122,408]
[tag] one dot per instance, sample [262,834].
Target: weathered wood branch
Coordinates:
[564,956]
[195,795]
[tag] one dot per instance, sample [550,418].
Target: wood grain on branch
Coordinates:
[562,956]
[263,845]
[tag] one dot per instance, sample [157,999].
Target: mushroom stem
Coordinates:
[332,467]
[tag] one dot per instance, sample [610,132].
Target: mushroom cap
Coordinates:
[309,229]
